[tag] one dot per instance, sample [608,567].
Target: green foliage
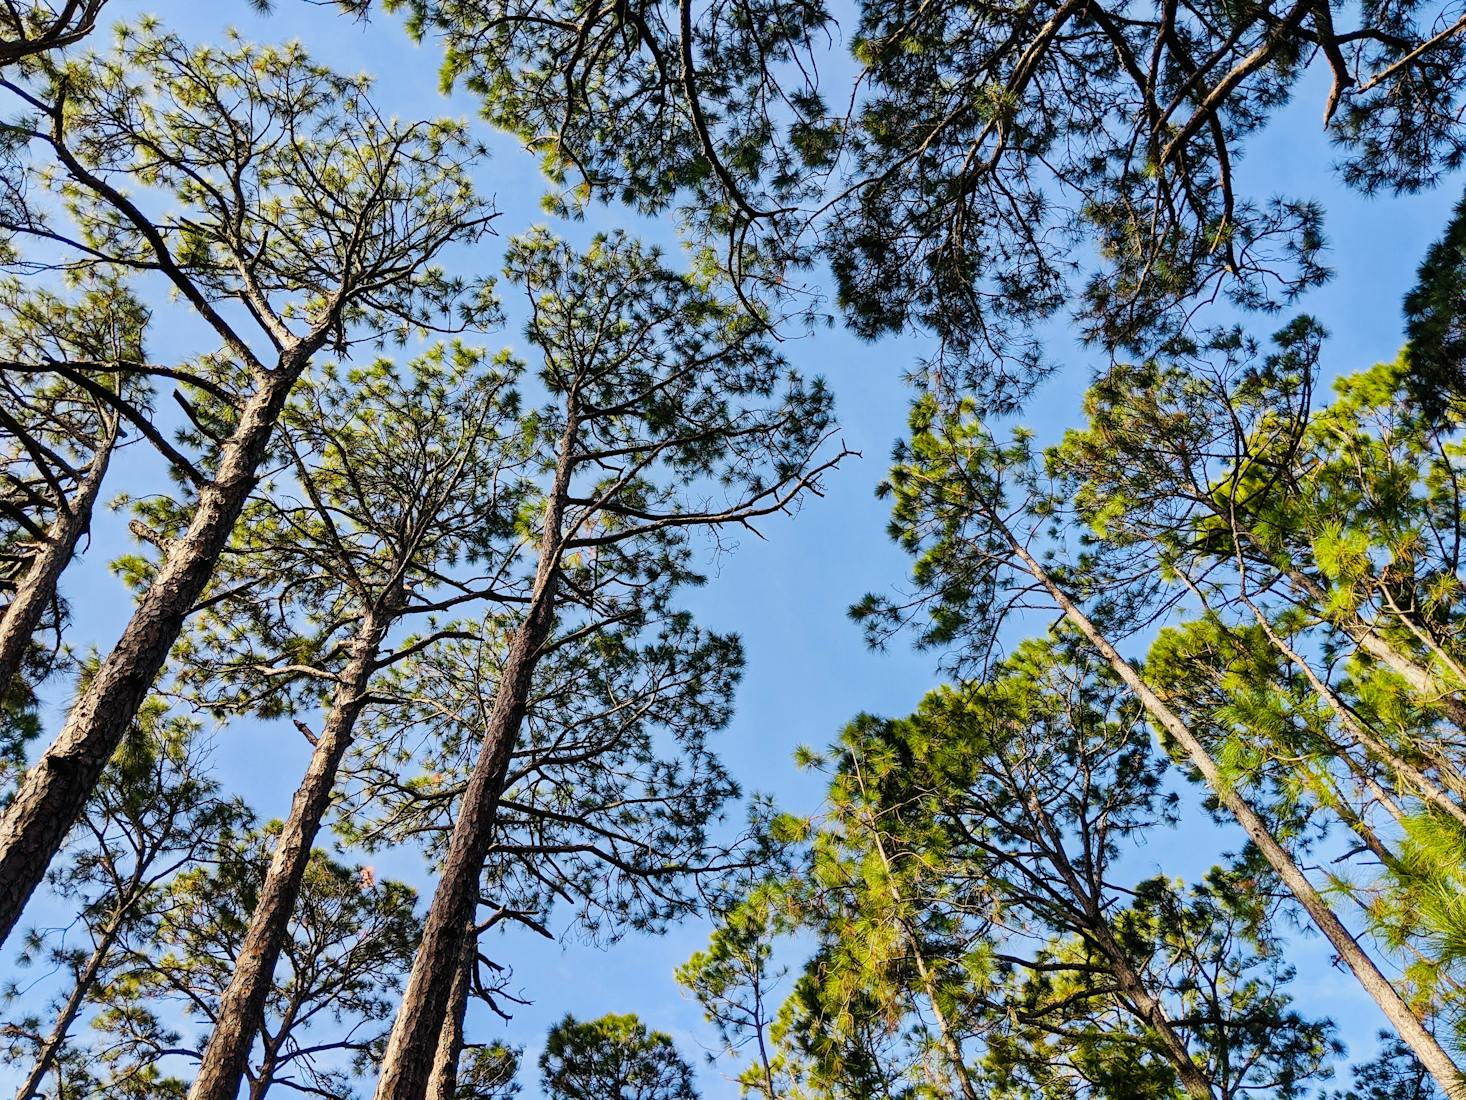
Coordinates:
[351,940]
[613,1058]
[395,498]
[658,106]
[976,934]
[990,169]
[1435,354]
[20,724]
[487,1072]
[157,814]
[736,981]
[1393,1074]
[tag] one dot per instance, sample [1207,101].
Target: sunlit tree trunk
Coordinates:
[408,1063]
[1414,1033]
[241,1008]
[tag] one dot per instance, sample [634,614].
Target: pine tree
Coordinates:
[157,814]
[974,511]
[71,372]
[350,939]
[613,1058]
[397,479]
[244,141]
[668,412]
[990,169]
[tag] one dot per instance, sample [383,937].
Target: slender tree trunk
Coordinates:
[37,589]
[242,1007]
[444,1082]
[1149,1008]
[53,792]
[260,1082]
[1424,1045]
[950,1046]
[408,1063]
[1090,916]
[1364,634]
[1424,787]
[30,1088]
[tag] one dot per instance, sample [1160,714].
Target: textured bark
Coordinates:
[1410,1029]
[53,792]
[408,1063]
[444,1081]
[241,1009]
[37,588]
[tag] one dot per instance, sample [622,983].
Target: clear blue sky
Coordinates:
[808,671]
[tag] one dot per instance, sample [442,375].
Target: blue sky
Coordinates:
[808,671]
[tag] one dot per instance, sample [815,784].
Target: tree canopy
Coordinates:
[350,650]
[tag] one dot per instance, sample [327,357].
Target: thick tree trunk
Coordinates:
[53,792]
[37,588]
[242,1007]
[408,1063]
[444,1081]
[1424,1045]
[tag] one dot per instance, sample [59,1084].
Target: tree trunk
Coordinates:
[1425,789]
[408,1063]
[1149,1008]
[53,792]
[1369,640]
[444,1082]
[951,1047]
[1424,1045]
[38,587]
[242,1007]
[1090,919]
[30,1088]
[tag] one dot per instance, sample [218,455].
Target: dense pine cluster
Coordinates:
[251,314]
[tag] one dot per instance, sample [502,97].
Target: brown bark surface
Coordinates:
[407,1065]
[37,589]
[241,1009]
[55,789]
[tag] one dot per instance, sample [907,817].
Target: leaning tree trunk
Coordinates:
[53,792]
[241,1009]
[1148,1007]
[443,1083]
[30,1088]
[37,589]
[951,1044]
[408,1062]
[1409,1027]
[1425,788]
